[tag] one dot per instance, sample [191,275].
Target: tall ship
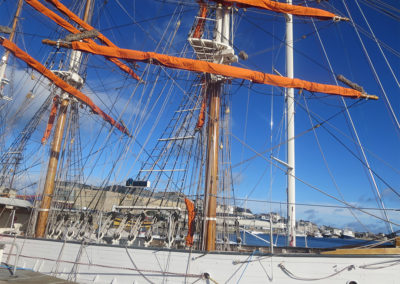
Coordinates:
[137,135]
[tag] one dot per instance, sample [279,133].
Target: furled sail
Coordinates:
[80,22]
[191,225]
[214,68]
[50,122]
[59,82]
[286,8]
[66,25]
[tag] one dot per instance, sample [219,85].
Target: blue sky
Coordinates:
[260,34]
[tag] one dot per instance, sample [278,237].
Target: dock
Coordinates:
[24,276]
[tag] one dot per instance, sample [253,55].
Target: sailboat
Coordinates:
[115,206]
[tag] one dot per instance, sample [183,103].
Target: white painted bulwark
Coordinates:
[105,264]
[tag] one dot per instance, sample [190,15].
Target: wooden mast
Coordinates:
[56,146]
[212,179]
[51,171]
[15,21]
[11,38]
[221,32]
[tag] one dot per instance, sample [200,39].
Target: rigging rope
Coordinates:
[201,276]
[316,188]
[394,116]
[66,25]
[386,61]
[384,8]
[292,275]
[60,83]
[318,143]
[386,264]
[353,125]
[297,136]
[328,168]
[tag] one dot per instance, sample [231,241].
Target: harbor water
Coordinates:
[310,242]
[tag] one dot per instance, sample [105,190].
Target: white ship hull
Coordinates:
[113,264]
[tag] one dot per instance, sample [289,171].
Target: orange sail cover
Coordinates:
[59,82]
[66,25]
[218,69]
[191,216]
[285,8]
[202,113]
[52,117]
[78,20]
[101,37]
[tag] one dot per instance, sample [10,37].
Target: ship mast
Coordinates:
[4,60]
[73,78]
[291,186]
[215,83]
[212,179]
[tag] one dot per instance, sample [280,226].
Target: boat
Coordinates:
[327,234]
[336,233]
[317,235]
[348,234]
[132,160]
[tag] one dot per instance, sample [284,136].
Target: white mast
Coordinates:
[226,26]
[3,80]
[291,213]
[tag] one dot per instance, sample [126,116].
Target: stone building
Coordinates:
[82,196]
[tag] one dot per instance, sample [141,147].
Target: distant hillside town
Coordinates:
[261,223]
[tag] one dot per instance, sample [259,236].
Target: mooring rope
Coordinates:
[388,263]
[202,276]
[291,275]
